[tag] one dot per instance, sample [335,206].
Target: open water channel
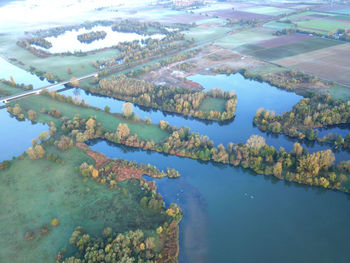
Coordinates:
[230,214]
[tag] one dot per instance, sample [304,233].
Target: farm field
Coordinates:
[340,92]
[203,32]
[345,11]
[268,10]
[278,25]
[287,50]
[323,25]
[245,37]
[319,61]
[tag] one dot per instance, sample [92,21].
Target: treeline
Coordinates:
[142,28]
[38,41]
[27,44]
[287,80]
[337,34]
[134,51]
[308,114]
[171,99]
[297,166]
[91,36]
[147,28]
[159,245]
[117,170]
[12,83]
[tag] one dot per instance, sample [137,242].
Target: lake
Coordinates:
[68,41]
[233,215]
[230,214]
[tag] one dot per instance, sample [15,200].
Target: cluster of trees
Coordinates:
[91,36]
[54,158]
[147,68]
[37,52]
[171,99]
[298,165]
[38,41]
[285,80]
[64,143]
[110,172]
[164,62]
[131,246]
[315,112]
[36,152]
[341,34]
[336,140]
[5,165]
[242,22]
[186,66]
[151,48]
[12,83]
[16,110]
[142,28]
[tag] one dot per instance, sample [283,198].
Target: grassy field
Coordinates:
[109,121]
[345,11]
[303,14]
[322,25]
[281,52]
[278,25]
[340,92]
[268,10]
[33,192]
[201,33]
[234,40]
[53,64]
[213,104]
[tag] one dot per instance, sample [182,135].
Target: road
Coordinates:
[37,91]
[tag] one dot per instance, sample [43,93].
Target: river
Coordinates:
[230,214]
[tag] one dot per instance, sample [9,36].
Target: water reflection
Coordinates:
[234,211]
[68,41]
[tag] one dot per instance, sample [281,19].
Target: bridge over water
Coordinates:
[8,99]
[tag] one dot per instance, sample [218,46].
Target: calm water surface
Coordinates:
[68,41]
[251,96]
[232,215]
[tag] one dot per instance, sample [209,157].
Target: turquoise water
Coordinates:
[233,215]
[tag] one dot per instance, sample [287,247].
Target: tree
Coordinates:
[74,82]
[127,109]
[31,115]
[13,83]
[36,152]
[297,149]
[277,169]
[43,136]
[256,142]
[107,109]
[123,131]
